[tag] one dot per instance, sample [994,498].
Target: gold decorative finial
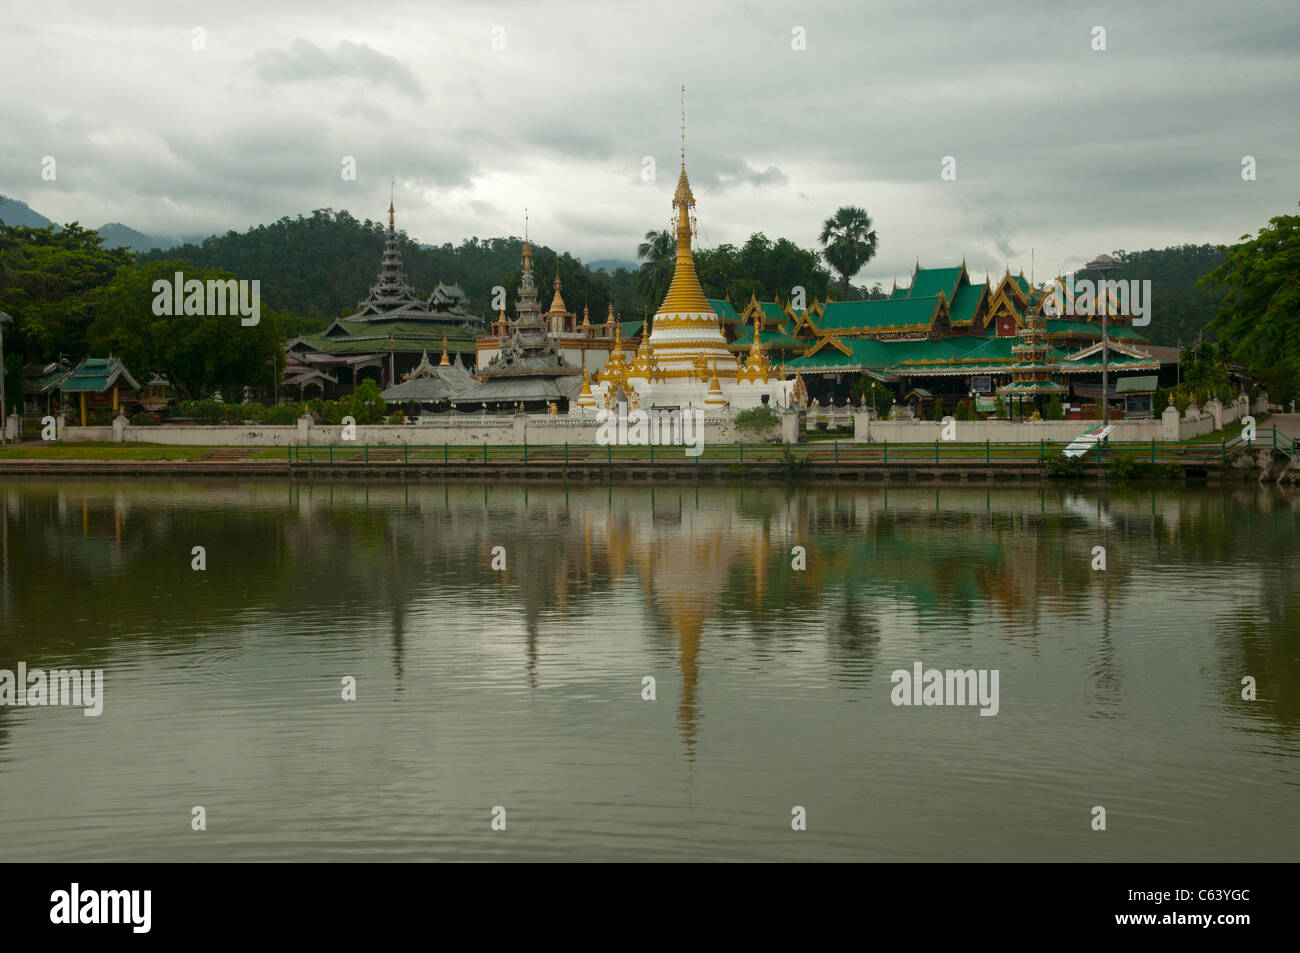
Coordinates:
[392,190]
[444,362]
[683,125]
[525,223]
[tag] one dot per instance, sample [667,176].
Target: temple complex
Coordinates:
[392,331]
[957,338]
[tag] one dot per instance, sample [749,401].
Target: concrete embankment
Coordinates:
[619,471]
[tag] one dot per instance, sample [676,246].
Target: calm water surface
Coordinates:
[522,688]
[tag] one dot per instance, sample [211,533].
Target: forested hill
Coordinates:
[1179,309]
[320,266]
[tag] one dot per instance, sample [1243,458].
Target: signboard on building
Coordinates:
[982,385]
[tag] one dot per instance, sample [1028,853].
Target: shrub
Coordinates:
[1061,467]
[757,421]
[793,466]
[145,418]
[936,412]
[1054,410]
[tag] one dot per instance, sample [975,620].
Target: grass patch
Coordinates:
[102,451]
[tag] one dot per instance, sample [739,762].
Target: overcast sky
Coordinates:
[1059,148]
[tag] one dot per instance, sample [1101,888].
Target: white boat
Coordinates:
[1086,441]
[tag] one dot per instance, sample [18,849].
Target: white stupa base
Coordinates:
[686,394]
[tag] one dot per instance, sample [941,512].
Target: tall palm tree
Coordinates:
[658,255]
[848,243]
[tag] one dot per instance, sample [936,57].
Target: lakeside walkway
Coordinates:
[818,460]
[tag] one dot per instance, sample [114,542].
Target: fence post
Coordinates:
[742,452]
[525,452]
[485,453]
[1223,450]
[331,453]
[566,453]
[367,452]
[1098,453]
[444,453]
[406,453]
[1153,449]
[837,451]
[986,449]
[936,451]
[609,453]
[652,452]
[886,460]
[1042,447]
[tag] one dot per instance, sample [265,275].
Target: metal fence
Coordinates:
[1187,453]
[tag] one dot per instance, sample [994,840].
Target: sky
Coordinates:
[195,117]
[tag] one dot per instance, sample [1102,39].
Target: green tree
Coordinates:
[658,256]
[848,242]
[53,281]
[1259,322]
[879,397]
[365,404]
[1054,410]
[198,354]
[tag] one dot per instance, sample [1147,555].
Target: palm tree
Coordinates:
[658,255]
[848,243]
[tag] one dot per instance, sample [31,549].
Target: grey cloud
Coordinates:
[305,61]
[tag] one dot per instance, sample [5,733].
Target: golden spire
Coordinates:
[392,188]
[610,319]
[586,316]
[685,296]
[444,362]
[557,303]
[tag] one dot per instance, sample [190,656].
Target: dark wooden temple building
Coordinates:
[392,331]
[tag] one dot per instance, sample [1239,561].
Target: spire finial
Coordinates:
[392,191]
[683,125]
[525,224]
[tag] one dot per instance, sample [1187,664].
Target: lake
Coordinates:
[520,686]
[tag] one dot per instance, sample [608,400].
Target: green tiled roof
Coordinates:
[773,312]
[1121,332]
[408,337]
[724,309]
[943,350]
[899,292]
[877,315]
[965,303]
[930,281]
[863,352]
[771,339]
[630,329]
[97,374]
[1146,384]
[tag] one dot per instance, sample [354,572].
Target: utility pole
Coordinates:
[1103,263]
